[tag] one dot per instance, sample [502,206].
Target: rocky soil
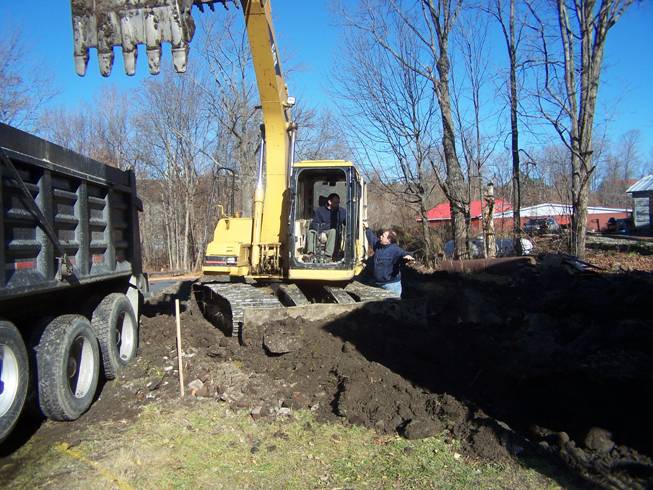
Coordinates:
[529,363]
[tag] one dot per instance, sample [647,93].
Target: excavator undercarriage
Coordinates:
[237,307]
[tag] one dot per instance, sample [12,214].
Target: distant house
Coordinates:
[597,217]
[440,215]
[642,194]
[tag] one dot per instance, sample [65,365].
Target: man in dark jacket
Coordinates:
[326,227]
[384,266]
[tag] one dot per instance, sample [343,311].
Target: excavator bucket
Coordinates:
[103,24]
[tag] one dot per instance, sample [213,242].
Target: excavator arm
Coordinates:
[105,24]
[260,247]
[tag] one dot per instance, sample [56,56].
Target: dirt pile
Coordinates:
[543,361]
[549,361]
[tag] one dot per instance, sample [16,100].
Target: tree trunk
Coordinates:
[591,32]
[579,220]
[426,234]
[186,236]
[455,178]
[490,242]
[514,132]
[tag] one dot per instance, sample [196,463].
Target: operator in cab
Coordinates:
[384,267]
[326,227]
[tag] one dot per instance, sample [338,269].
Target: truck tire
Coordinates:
[14,377]
[116,328]
[68,367]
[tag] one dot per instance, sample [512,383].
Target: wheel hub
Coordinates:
[8,378]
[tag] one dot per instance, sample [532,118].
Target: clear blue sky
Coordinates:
[307,34]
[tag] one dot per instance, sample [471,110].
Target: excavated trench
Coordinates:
[532,361]
[519,363]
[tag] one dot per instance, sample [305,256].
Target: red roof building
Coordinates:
[442,212]
[597,217]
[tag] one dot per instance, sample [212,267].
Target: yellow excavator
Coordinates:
[268,260]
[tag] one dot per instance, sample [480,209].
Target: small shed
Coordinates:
[642,194]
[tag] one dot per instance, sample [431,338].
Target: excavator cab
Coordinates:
[315,248]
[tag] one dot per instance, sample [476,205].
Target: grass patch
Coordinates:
[205,445]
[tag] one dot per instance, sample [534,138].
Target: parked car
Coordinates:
[541,226]
[504,247]
[619,226]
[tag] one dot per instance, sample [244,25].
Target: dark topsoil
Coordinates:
[534,363]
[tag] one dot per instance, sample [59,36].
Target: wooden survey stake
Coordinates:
[179,352]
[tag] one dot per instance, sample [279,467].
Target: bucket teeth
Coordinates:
[129,60]
[103,24]
[105,60]
[81,61]
[154,60]
[179,59]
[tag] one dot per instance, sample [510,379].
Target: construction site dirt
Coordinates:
[535,361]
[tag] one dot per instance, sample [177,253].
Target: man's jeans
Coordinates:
[311,241]
[393,287]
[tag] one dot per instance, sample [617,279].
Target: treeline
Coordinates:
[424,109]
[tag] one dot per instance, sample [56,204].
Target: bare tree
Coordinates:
[102,130]
[619,165]
[71,129]
[512,35]
[232,99]
[393,113]
[476,142]
[440,16]
[175,135]
[24,87]
[546,178]
[569,90]
[320,136]
[114,133]
[629,152]
[430,24]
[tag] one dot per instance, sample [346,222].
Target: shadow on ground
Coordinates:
[563,358]
[163,301]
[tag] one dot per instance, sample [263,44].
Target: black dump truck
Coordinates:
[71,280]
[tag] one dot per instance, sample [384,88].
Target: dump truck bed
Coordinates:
[90,207]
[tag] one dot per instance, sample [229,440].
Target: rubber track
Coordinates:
[340,295]
[242,296]
[294,294]
[368,293]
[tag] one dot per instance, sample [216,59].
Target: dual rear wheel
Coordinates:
[70,354]
[68,367]
[73,350]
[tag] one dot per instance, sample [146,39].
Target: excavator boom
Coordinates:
[105,24]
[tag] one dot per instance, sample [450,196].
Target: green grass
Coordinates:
[205,445]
